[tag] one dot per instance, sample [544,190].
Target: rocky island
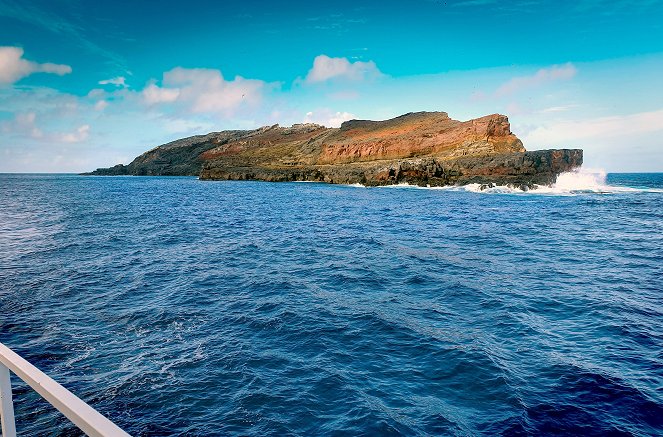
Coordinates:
[423,148]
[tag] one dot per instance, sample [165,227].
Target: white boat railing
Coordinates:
[89,420]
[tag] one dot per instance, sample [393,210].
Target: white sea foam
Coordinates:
[579,181]
[582,180]
[587,180]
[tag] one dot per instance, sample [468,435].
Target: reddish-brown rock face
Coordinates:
[418,134]
[426,148]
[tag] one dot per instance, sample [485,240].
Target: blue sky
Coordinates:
[90,84]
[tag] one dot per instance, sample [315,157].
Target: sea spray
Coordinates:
[582,179]
[579,181]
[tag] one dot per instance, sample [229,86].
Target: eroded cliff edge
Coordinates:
[425,148]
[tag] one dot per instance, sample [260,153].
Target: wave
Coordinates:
[579,181]
[588,180]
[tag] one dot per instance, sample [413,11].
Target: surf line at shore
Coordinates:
[579,181]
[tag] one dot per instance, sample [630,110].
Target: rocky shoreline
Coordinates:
[426,148]
[523,170]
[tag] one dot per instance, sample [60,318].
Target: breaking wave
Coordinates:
[584,180]
[579,181]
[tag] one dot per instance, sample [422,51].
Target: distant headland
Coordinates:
[423,148]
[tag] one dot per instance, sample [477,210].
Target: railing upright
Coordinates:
[6,403]
[89,420]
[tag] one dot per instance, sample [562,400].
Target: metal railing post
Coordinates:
[89,420]
[6,403]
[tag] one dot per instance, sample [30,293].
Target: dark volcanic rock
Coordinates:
[425,148]
[178,158]
[526,169]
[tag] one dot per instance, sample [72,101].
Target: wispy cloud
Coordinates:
[13,67]
[22,124]
[338,23]
[604,8]
[100,105]
[597,128]
[21,98]
[31,14]
[556,109]
[25,125]
[117,81]
[496,6]
[614,7]
[542,76]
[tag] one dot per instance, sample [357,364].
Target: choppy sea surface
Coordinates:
[183,307]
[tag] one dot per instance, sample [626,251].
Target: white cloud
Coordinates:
[153,94]
[25,125]
[117,81]
[326,68]
[544,75]
[13,67]
[596,128]
[200,90]
[79,135]
[327,117]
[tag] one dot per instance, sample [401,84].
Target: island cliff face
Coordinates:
[425,148]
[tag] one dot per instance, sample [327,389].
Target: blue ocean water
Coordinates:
[183,307]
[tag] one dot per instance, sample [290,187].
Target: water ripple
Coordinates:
[176,306]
